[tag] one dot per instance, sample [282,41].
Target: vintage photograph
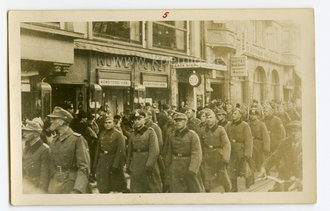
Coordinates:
[161,106]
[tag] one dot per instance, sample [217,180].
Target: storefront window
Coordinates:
[170,35]
[127,31]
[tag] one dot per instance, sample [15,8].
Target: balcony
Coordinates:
[289,58]
[221,37]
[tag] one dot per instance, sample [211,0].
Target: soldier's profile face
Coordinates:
[108,124]
[236,115]
[189,113]
[221,117]
[28,135]
[139,122]
[203,117]
[55,123]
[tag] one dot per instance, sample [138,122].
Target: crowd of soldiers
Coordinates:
[153,150]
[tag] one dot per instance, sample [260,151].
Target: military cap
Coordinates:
[293,124]
[138,114]
[180,116]
[33,125]
[208,111]
[253,111]
[60,113]
[117,117]
[108,118]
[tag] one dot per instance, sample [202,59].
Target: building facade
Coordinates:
[183,63]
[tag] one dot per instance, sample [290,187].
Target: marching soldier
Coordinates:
[261,139]
[216,155]
[275,128]
[143,153]
[184,156]
[240,137]
[70,160]
[35,159]
[110,159]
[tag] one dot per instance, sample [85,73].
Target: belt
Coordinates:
[211,146]
[180,155]
[140,150]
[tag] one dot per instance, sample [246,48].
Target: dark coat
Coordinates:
[261,142]
[276,131]
[109,161]
[70,163]
[100,122]
[216,154]
[143,154]
[184,155]
[36,166]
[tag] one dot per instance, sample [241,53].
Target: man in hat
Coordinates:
[143,154]
[275,128]
[239,134]
[183,158]
[35,158]
[110,159]
[193,122]
[216,155]
[287,158]
[261,142]
[70,161]
[102,116]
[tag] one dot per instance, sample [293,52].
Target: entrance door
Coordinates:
[63,94]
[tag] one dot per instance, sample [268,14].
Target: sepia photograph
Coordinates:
[162,107]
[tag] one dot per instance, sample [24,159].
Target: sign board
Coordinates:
[155,84]
[238,65]
[112,82]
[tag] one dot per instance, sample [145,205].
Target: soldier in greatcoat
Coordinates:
[143,153]
[110,159]
[70,161]
[35,159]
[216,155]
[184,157]
[275,128]
[239,134]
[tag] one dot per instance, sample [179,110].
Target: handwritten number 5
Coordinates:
[165,14]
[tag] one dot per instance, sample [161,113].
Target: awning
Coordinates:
[194,65]
[108,48]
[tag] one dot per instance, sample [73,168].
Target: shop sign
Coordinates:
[112,82]
[153,66]
[194,79]
[238,66]
[155,84]
[114,62]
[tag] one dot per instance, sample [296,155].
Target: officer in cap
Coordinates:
[183,158]
[102,112]
[35,158]
[216,155]
[239,134]
[69,156]
[143,154]
[110,159]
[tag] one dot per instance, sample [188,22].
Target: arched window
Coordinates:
[275,86]
[259,81]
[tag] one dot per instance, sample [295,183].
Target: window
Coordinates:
[275,86]
[259,84]
[120,30]
[170,35]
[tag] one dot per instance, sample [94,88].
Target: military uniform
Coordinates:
[276,131]
[109,162]
[143,153]
[36,166]
[216,155]
[70,163]
[240,137]
[261,142]
[184,155]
